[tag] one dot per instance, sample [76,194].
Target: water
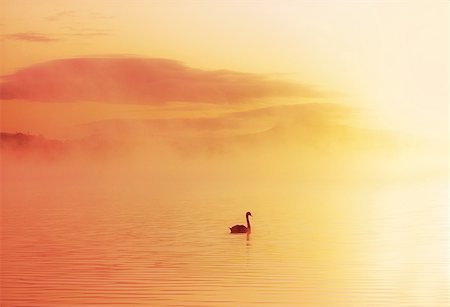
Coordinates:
[333,246]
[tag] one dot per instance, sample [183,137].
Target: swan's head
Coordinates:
[248,213]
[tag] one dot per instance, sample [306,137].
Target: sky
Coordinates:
[70,66]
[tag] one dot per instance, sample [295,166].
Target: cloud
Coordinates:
[70,28]
[86,32]
[71,34]
[61,15]
[34,37]
[75,15]
[141,81]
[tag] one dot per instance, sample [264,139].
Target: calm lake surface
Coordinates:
[327,246]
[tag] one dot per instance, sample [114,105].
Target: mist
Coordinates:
[223,133]
[281,151]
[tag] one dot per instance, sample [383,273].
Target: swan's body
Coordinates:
[242,228]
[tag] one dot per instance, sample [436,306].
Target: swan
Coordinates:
[242,228]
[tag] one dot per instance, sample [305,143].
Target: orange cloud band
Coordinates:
[141,80]
[31,37]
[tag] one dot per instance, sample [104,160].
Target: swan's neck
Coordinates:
[248,224]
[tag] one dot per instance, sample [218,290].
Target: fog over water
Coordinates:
[347,217]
